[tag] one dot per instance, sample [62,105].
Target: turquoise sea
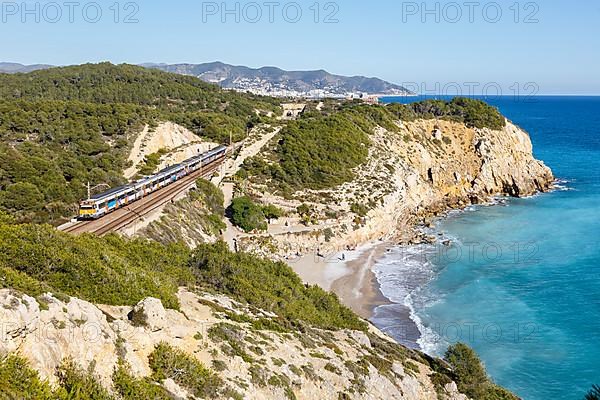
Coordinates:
[521,281]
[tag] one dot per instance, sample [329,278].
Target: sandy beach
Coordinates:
[348,274]
[359,289]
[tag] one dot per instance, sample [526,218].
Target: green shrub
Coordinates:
[248,215]
[233,336]
[215,224]
[109,270]
[304,209]
[272,212]
[219,365]
[272,286]
[470,375]
[332,368]
[151,162]
[19,381]
[211,195]
[131,388]
[78,384]
[328,233]
[189,373]
[359,209]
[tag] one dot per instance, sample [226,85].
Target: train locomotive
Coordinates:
[101,204]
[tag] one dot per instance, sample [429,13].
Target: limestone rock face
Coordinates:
[424,168]
[508,166]
[151,313]
[317,364]
[20,316]
[76,330]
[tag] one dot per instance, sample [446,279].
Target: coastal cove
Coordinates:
[518,280]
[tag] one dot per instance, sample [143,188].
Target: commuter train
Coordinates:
[101,204]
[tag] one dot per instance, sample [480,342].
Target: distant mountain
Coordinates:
[269,81]
[13,68]
[277,82]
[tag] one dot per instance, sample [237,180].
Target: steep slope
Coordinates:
[250,361]
[416,167]
[242,327]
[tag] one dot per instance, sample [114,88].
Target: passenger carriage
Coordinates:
[101,204]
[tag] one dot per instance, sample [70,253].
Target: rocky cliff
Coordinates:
[420,170]
[251,361]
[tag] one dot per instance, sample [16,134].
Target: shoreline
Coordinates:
[355,283]
[405,217]
[359,288]
[353,280]
[348,274]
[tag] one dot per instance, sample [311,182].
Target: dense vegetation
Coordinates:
[189,373]
[204,107]
[63,127]
[151,162]
[49,150]
[35,259]
[129,387]
[19,381]
[471,112]
[316,152]
[322,149]
[272,286]
[210,195]
[249,216]
[201,212]
[471,377]
[111,270]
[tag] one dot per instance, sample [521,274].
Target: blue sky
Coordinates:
[548,47]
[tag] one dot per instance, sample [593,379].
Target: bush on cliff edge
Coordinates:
[471,377]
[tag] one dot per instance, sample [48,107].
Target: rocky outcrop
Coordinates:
[423,169]
[258,364]
[508,166]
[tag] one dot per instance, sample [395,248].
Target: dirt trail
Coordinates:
[232,166]
[180,141]
[251,147]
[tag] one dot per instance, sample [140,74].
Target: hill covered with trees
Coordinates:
[322,148]
[62,127]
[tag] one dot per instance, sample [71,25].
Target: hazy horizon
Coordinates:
[527,47]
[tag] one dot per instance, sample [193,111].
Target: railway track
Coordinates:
[124,216]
